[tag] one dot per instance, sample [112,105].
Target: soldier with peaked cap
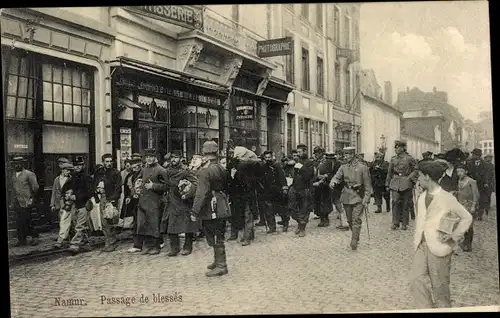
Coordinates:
[357,191]
[212,187]
[322,193]
[378,172]
[400,182]
[176,215]
[22,190]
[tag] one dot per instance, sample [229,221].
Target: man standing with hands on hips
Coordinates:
[357,191]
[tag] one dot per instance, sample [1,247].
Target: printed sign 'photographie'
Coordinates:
[185,16]
[275,47]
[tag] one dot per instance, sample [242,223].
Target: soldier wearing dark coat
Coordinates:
[378,171]
[274,187]
[150,205]
[322,191]
[212,184]
[299,195]
[176,217]
[400,182]
[484,174]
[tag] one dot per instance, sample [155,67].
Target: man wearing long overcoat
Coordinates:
[150,205]
[322,191]
[378,171]
[176,218]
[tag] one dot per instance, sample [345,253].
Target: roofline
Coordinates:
[383,103]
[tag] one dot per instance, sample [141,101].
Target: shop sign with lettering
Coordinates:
[275,47]
[185,16]
[244,112]
[150,87]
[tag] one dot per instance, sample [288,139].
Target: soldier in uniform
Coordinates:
[378,172]
[399,182]
[322,192]
[357,191]
[336,193]
[211,182]
[299,195]
[484,174]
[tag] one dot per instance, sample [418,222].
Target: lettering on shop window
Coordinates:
[159,89]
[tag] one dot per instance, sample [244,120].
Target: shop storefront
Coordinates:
[162,112]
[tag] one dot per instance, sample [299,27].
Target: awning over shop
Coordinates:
[125,102]
[278,90]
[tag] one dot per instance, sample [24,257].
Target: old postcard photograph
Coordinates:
[301,158]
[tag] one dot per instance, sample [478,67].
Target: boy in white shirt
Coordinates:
[435,238]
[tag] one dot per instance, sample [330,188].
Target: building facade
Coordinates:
[429,114]
[488,147]
[417,145]
[56,97]
[381,122]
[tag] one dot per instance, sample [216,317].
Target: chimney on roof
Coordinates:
[388,92]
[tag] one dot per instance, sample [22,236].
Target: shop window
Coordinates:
[21,87]
[67,94]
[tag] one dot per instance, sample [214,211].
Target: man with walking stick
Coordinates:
[357,191]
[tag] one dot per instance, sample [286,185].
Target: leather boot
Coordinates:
[285,226]
[321,222]
[188,244]
[355,238]
[213,265]
[302,230]
[220,263]
[327,221]
[174,245]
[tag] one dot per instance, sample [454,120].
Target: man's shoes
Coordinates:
[133,250]
[378,211]
[285,227]
[186,251]
[354,245]
[162,245]
[404,227]
[271,231]
[394,227]
[343,228]
[302,233]
[321,223]
[109,248]
[74,249]
[154,251]
[297,231]
[173,253]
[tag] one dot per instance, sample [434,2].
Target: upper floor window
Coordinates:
[304,11]
[319,16]
[337,82]
[320,76]
[347,32]
[336,25]
[305,69]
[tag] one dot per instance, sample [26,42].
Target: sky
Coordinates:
[442,44]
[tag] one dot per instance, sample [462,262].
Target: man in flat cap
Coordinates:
[357,191]
[22,191]
[113,188]
[210,206]
[426,156]
[400,182]
[484,175]
[322,192]
[299,195]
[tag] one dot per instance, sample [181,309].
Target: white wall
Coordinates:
[417,146]
[375,122]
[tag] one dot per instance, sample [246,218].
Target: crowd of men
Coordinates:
[212,191]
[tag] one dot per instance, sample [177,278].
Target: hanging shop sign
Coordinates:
[244,112]
[152,87]
[275,47]
[185,16]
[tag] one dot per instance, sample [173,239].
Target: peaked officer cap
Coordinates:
[210,147]
[150,152]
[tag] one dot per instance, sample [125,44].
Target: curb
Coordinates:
[52,254]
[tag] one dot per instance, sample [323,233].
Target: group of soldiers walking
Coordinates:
[236,187]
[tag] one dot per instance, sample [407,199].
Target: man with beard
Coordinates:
[176,218]
[378,172]
[357,191]
[113,189]
[399,182]
[247,171]
[299,195]
[22,192]
[274,187]
[131,200]
[80,183]
[322,191]
[149,208]
[212,184]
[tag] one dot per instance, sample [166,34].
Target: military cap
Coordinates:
[400,143]
[135,161]
[349,149]
[210,147]
[63,160]
[18,159]
[176,153]
[78,162]
[106,156]
[67,165]
[136,155]
[477,152]
[330,155]
[318,149]
[150,152]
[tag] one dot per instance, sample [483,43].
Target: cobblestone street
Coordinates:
[275,274]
